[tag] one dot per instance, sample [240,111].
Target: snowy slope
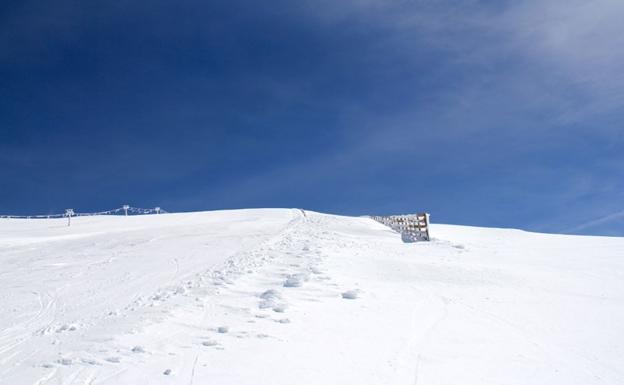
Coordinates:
[284,297]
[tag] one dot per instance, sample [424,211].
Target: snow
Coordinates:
[276,296]
[350,294]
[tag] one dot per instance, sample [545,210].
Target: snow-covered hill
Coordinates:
[287,297]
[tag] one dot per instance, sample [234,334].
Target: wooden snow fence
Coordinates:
[412,227]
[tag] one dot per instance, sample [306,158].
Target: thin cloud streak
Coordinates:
[564,53]
[597,222]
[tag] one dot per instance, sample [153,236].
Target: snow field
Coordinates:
[284,296]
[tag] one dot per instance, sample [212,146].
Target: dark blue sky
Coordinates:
[486,113]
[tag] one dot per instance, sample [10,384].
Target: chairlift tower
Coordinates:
[126,207]
[69,213]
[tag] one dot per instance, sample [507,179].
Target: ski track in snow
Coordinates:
[291,296]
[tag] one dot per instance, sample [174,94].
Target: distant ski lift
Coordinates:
[69,213]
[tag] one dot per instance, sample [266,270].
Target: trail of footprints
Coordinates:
[278,268]
[281,281]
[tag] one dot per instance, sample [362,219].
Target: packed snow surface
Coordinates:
[279,296]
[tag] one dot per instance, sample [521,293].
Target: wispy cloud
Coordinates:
[577,41]
[566,54]
[613,217]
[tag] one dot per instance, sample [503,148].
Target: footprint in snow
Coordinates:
[89,361]
[223,329]
[271,294]
[65,361]
[294,280]
[67,327]
[270,299]
[280,308]
[351,294]
[210,343]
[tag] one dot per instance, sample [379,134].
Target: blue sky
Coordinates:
[490,113]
